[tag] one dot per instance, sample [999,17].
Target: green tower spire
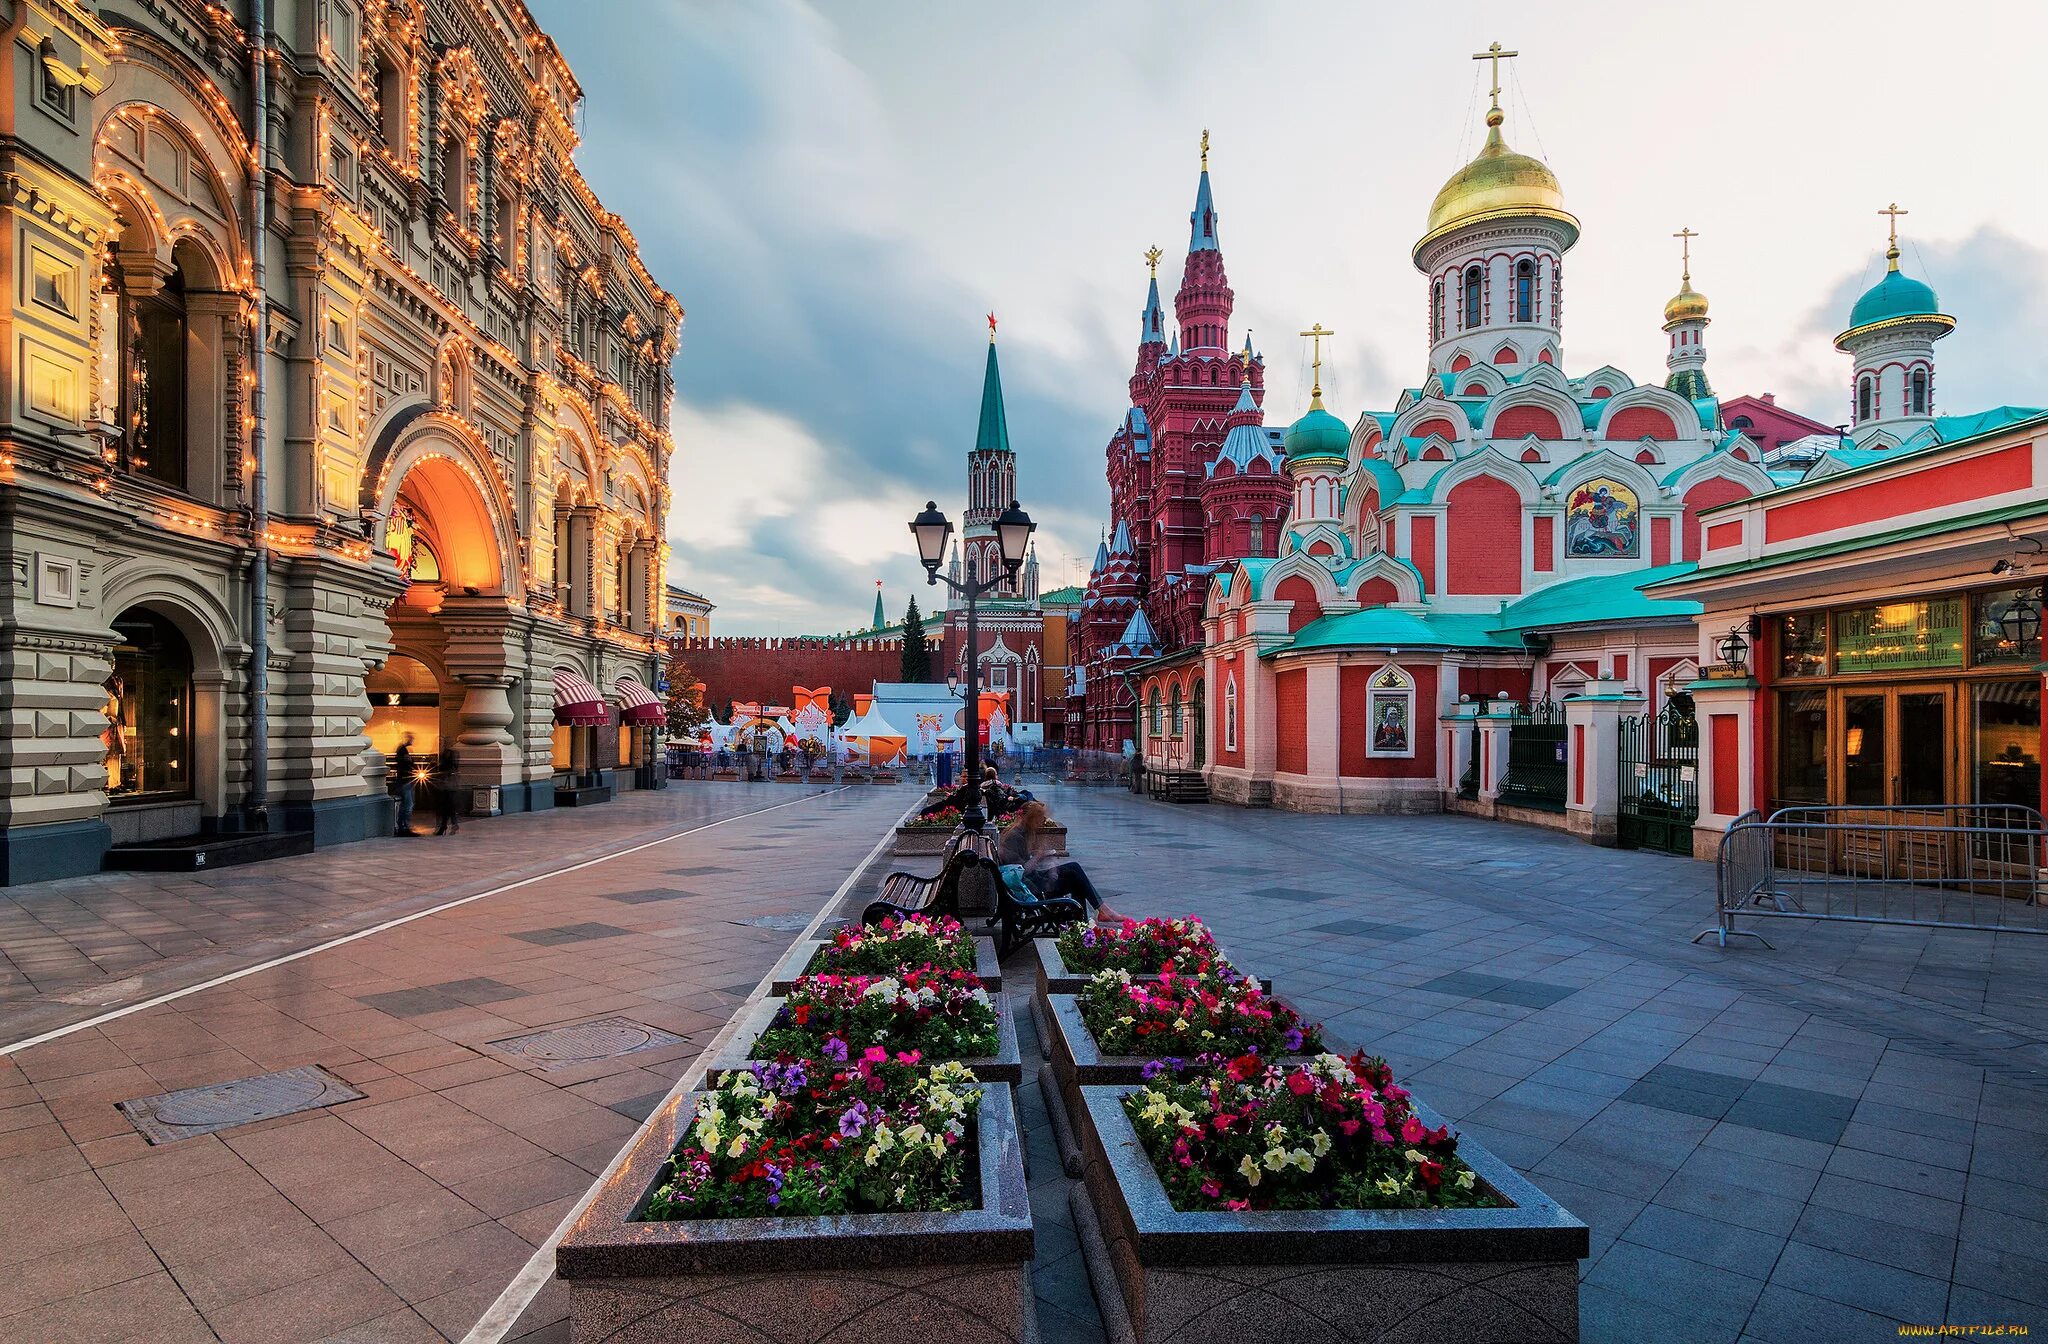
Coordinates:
[994,434]
[880,618]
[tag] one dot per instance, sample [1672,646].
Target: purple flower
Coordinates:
[1151,1069]
[835,1049]
[1292,1040]
[853,1121]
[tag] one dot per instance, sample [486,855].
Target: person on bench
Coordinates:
[1024,843]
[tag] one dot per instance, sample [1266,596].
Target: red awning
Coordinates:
[637,704]
[577,702]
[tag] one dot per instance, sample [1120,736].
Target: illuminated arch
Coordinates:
[447,474]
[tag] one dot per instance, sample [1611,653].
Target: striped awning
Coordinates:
[637,704]
[577,702]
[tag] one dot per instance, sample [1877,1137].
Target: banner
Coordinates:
[928,733]
[993,715]
[813,714]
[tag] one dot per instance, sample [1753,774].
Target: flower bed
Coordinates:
[1503,1267]
[1188,1015]
[1142,947]
[1333,1133]
[786,1140]
[946,819]
[957,1022]
[893,944]
[957,1272]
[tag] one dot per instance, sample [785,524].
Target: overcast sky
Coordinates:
[838,192]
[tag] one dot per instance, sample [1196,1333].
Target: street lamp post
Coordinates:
[1013,538]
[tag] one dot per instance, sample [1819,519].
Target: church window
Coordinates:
[1864,398]
[1473,276]
[1436,311]
[1157,714]
[1258,546]
[1230,712]
[1525,291]
[1179,722]
[1919,392]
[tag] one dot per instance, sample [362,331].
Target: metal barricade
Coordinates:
[1948,865]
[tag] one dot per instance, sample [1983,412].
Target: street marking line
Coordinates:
[503,1314]
[172,996]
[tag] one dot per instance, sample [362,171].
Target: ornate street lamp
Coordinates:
[2021,621]
[1013,540]
[1734,650]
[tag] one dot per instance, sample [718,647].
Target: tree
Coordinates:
[841,709]
[917,653]
[684,699]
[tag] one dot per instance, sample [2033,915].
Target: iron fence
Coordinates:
[1536,759]
[1658,779]
[1951,866]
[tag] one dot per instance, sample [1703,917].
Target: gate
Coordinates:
[1536,759]
[1659,780]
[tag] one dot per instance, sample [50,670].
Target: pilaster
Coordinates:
[1593,758]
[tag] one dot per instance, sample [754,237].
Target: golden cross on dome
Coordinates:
[1892,252]
[1205,149]
[1152,256]
[1316,333]
[1496,55]
[1685,237]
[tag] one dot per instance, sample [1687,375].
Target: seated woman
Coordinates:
[1024,842]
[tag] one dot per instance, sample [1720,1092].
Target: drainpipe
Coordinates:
[256,807]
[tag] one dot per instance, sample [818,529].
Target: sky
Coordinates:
[837,194]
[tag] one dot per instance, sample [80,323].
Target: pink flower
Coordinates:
[1411,1130]
[875,1054]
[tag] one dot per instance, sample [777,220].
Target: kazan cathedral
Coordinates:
[1299,618]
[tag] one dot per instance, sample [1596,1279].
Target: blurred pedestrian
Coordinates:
[447,795]
[403,768]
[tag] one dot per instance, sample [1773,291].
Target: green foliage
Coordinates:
[917,651]
[684,700]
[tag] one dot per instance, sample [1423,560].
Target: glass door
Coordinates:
[1897,750]
[1923,776]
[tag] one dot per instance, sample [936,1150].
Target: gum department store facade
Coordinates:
[462,408]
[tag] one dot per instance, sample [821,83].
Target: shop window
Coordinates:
[148,709]
[2008,749]
[2005,626]
[1803,644]
[1900,636]
[1802,747]
[405,699]
[564,757]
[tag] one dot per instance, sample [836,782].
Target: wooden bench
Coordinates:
[905,893]
[1022,914]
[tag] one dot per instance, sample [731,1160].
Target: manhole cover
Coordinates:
[780,923]
[170,1116]
[606,1038]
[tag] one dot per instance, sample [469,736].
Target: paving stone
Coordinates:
[568,933]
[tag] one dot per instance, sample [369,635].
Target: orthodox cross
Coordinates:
[1316,333]
[1495,55]
[991,328]
[1152,256]
[1205,149]
[1892,252]
[1685,237]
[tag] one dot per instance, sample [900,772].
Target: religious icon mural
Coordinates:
[1602,521]
[1390,714]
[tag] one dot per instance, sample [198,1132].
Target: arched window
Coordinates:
[148,738]
[154,341]
[1258,546]
[1743,423]
[1525,291]
[455,177]
[1919,402]
[1230,712]
[1436,311]
[1864,395]
[1179,722]
[1158,718]
[1473,277]
[504,223]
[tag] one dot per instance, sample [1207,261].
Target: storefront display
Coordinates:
[148,710]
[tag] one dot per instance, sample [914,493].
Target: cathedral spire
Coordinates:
[994,434]
[1202,219]
[881,619]
[1152,326]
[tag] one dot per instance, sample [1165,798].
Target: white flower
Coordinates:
[1321,1143]
[1276,1159]
[739,1146]
[1250,1169]
[914,1133]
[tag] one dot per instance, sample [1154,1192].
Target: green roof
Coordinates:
[2023,509]
[994,434]
[1317,434]
[1398,629]
[1601,597]
[1063,597]
[1896,295]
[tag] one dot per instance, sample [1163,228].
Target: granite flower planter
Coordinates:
[922,839]
[874,1278]
[1006,1065]
[1074,1062]
[1322,1276]
[1056,977]
[799,959]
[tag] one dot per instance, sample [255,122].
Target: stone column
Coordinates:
[1729,786]
[485,656]
[1592,728]
[1325,723]
[1494,722]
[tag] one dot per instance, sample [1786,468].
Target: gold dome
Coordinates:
[1688,305]
[1498,184]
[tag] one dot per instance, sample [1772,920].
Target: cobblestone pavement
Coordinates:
[403,1215]
[1822,1141]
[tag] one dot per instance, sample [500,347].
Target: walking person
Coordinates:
[1050,873]
[447,795]
[402,769]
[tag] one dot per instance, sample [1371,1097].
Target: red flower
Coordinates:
[1299,1084]
[1243,1067]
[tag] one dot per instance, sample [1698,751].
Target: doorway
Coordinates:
[1898,751]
